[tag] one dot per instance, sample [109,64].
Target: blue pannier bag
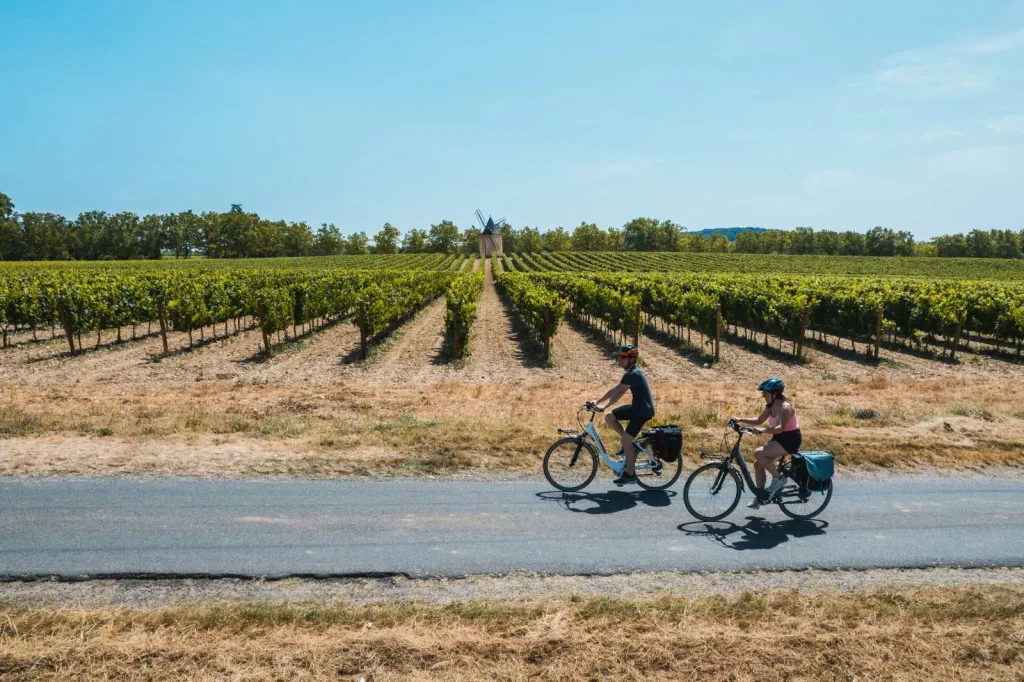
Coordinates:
[820,468]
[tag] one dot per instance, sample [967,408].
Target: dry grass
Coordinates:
[232,428]
[912,634]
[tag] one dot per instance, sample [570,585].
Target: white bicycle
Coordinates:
[570,464]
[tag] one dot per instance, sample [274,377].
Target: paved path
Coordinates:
[91,528]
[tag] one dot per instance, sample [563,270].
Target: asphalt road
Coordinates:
[124,528]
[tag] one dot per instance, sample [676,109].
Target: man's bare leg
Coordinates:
[627,449]
[626,440]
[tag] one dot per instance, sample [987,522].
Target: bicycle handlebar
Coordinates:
[735,425]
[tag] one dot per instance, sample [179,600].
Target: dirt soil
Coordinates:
[314,409]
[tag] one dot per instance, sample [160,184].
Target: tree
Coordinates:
[826,243]
[509,238]
[718,243]
[638,234]
[980,244]
[12,246]
[852,244]
[880,241]
[265,240]
[802,241]
[589,237]
[298,240]
[6,207]
[557,240]
[692,243]
[357,244]
[529,241]
[328,241]
[444,237]
[1007,244]
[951,246]
[151,236]
[469,241]
[616,240]
[747,242]
[415,241]
[184,233]
[386,241]
[904,243]
[649,234]
[668,235]
[45,236]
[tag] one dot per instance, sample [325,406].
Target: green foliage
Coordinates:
[462,294]
[540,308]
[744,263]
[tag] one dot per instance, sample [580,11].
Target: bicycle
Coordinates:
[717,484]
[570,464]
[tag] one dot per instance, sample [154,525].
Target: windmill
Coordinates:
[490,235]
[489,226]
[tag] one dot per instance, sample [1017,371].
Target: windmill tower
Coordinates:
[490,235]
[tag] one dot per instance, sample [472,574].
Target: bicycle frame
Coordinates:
[615,465]
[738,457]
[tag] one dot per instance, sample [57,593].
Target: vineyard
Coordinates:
[276,300]
[742,263]
[618,294]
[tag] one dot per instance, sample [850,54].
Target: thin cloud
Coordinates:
[936,132]
[632,167]
[943,71]
[929,74]
[976,161]
[1010,125]
[832,179]
[995,44]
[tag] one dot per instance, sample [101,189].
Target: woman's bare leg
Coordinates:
[766,456]
[759,476]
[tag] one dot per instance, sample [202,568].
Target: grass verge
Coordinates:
[949,634]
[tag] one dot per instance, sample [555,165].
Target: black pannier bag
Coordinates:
[798,472]
[668,440]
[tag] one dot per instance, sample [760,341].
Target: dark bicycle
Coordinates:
[713,490]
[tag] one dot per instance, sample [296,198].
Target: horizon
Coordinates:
[838,118]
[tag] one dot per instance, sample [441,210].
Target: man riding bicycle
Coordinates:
[637,413]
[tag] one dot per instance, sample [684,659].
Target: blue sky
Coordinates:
[907,114]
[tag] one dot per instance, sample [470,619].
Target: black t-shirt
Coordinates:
[643,401]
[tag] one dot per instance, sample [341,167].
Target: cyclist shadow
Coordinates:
[756,534]
[610,502]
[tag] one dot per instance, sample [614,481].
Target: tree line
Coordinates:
[97,235]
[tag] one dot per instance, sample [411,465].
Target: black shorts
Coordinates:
[625,414]
[789,440]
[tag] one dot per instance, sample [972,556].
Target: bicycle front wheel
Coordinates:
[570,464]
[712,491]
[653,473]
[797,506]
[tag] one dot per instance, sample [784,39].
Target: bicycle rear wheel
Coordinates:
[712,491]
[570,464]
[794,505]
[653,473]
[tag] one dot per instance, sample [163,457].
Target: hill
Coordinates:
[729,232]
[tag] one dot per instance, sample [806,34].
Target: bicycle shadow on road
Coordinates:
[610,502]
[757,533]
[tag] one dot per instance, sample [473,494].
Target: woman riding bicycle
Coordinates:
[786,436]
[637,413]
